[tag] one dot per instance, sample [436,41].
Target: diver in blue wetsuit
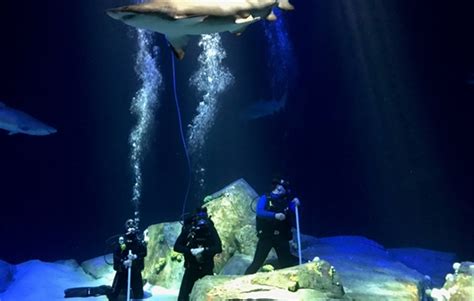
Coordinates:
[274,215]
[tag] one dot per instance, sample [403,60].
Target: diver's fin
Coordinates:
[248,20]
[271,16]
[96,291]
[285,5]
[178,43]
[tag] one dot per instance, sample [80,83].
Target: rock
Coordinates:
[310,281]
[7,271]
[36,280]
[458,286]
[466,267]
[99,267]
[432,263]
[366,269]
[368,272]
[163,266]
[230,209]
[236,265]
[234,218]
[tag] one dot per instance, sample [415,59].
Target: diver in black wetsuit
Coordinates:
[199,242]
[274,212]
[132,241]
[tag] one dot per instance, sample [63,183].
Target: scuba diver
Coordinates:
[130,254]
[198,242]
[274,214]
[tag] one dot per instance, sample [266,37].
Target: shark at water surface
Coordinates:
[15,121]
[179,19]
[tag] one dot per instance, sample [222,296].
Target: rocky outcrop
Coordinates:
[317,280]
[6,275]
[163,266]
[99,267]
[231,212]
[368,272]
[459,286]
[428,262]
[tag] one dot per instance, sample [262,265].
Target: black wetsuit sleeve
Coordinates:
[215,246]
[142,250]
[117,258]
[180,244]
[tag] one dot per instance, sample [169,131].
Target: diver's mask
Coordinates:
[131,225]
[281,188]
[200,222]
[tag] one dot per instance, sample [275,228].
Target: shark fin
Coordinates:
[178,43]
[246,21]
[285,5]
[271,16]
[239,31]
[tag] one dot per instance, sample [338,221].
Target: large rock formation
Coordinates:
[367,270]
[231,211]
[163,266]
[6,275]
[316,280]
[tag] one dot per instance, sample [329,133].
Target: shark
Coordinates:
[264,108]
[15,121]
[180,19]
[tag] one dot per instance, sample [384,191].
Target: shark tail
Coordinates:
[177,44]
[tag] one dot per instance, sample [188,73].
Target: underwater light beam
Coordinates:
[282,64]
[143,107]
[211,79]
[281,61]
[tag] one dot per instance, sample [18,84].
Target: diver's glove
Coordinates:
[197,251]
[130,257]
[127,263]
[296,201]
[280,216]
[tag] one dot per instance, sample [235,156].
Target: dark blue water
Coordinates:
[376,136]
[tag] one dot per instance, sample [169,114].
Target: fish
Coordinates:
[264,108]
[15,121]
[180,19]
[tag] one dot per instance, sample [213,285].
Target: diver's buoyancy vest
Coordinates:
[195,239]
[138,247]
[274,227]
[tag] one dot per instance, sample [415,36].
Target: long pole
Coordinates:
[298,233]
[129,274]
